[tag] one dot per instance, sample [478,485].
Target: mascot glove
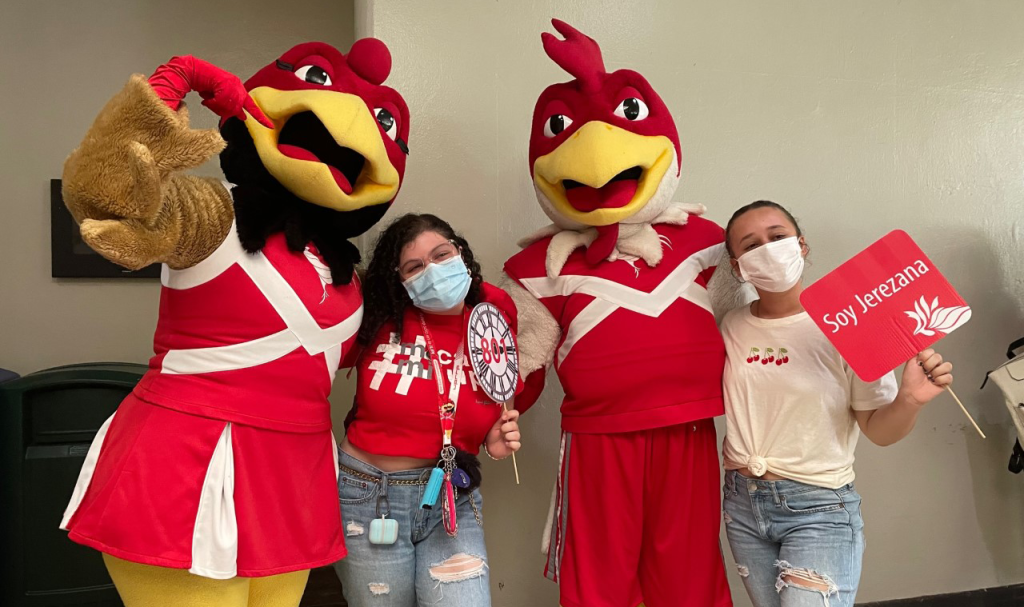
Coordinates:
[222,91]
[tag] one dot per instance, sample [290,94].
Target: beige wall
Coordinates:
[861,117]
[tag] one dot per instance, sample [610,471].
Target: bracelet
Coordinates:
[497,459]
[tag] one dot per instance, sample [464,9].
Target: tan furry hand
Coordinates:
[123,184]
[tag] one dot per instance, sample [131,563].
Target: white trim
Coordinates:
[227,358]
[225,256]
[303,330]
[598,310]
[588,318]
[215,534]
[291,309]
[337,462]
[545,542]
[642,302]
[610,296]
[332,357]
[699,296]
[85,474]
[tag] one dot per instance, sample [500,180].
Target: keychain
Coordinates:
[433,489]
[449,495]
[383,530]
[460,479]
[448,518]
[445,476]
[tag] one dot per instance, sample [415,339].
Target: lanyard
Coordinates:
[446,408]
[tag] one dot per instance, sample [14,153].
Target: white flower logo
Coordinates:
[931,318]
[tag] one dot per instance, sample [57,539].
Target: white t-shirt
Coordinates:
[790,398]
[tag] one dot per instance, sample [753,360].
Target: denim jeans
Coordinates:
[425,566]
[795,545]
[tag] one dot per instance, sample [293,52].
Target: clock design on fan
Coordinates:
[493,352]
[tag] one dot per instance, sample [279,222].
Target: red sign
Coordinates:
[885,305]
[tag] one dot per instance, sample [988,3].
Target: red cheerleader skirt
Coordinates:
[221,499]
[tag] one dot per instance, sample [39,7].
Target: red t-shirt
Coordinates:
[397,392]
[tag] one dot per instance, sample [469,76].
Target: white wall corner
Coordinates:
[364,25]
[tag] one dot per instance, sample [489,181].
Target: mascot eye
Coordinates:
[632,108]
[313,74]
[556,124]
[386,121]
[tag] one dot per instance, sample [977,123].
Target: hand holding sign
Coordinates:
[926,376]
[503,439]
[885,306]
[495,359]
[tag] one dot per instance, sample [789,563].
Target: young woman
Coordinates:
[794,411]
[414,377]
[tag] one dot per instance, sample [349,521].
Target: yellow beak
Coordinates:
[594,155]
[352,126]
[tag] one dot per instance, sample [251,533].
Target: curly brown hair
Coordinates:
[384,297]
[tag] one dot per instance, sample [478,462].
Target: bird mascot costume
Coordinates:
[215,482]
[615,295]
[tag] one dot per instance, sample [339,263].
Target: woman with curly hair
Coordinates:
[408,541]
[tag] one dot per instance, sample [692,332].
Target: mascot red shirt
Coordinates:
[215,482]
[615,296]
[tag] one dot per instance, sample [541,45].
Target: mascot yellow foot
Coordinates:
[148,586]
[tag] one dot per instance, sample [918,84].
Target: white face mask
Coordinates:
[774,267]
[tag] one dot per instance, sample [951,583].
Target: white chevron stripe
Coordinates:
[291,309]
[610,296]
[228,358]
[206,270]
[642,302]
[588,318]
[303,330]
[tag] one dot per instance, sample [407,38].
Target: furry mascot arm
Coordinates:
[123,183]
[725,291]
[537,338]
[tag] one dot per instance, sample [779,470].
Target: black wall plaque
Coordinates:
[72,258]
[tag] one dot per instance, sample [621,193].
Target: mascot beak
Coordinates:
[325,147]
[603,174]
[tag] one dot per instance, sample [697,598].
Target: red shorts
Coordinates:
[637,518]
[166,488]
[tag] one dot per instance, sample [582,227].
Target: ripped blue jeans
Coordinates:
[425,566]
[795,545]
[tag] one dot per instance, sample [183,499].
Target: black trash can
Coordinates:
[47,422]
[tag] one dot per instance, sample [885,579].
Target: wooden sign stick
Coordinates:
[964,409]
[515,465]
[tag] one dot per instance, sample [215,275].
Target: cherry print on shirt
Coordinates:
[754,356]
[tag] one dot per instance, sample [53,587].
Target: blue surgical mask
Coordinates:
[440,287]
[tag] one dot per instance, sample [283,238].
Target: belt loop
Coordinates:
[383,502]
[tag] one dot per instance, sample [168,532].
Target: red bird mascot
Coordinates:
[215,482]
[615,296]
